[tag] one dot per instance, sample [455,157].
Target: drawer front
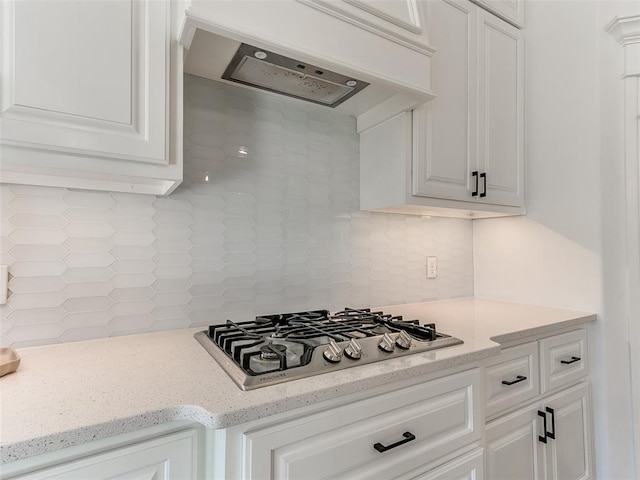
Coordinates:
[511,378]
[425,422]
[563,359]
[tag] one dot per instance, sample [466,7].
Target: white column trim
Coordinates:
[626,31]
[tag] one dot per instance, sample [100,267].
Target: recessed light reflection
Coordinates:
[206,177]
[242,151]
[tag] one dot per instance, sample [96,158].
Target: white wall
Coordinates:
[569,249]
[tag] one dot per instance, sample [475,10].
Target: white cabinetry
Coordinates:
[550,438]
[463,151]
[516,445]
[170,457]
[386,436]
[91,95]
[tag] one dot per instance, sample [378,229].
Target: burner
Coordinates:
[272,352]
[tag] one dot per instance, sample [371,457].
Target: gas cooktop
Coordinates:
[276,348]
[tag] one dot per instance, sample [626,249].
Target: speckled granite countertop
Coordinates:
[69,394]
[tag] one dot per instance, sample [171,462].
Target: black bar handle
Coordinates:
[408,436]
[483,176]
[573,360]
[544,427]
[475,192]
[518,379]
[551,434]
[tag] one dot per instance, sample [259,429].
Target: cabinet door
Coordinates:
[445,128]
[511,447]
[397,20]
[172,457]
[501,112]
[569,454]
[467,467]
[86,77]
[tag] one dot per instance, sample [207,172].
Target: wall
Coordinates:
[569,250]
[266,221]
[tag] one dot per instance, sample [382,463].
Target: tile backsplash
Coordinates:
[266,221]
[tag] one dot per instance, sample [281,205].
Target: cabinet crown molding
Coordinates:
[625,30]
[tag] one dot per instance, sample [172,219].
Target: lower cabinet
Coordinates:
[550,439]
[170,457]
[400,434]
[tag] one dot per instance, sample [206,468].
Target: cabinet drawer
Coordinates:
[563,359]
[427,421]
[511,378]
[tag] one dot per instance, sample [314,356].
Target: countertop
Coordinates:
[69,394]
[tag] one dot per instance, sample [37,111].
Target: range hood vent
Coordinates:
[266,70]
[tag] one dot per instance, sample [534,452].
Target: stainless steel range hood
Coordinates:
[256,44]
[259,68]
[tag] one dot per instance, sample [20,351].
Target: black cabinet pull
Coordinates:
[552,433]
[408,436]
[475,192]
[518,379]
[544,427]
[573,360]
[483,176]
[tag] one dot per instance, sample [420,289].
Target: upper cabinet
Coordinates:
[91,95]
[462,154]
[402,20]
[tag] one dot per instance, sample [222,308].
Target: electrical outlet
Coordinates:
[432,267]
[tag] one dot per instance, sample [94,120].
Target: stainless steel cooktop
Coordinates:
[277,348]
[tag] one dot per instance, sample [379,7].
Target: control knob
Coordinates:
[386,343]
[403,340]
[333,353]
[353,350]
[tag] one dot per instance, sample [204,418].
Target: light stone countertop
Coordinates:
[69,394]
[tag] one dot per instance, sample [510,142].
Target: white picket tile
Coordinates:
[37,220]
[87,274]
[132,293]
[37,269]
[36,284]
[38,236]
[133,280]
[38,253]
[87,304]
[37,316]
[24,301]
[88,289]
[89,259]
[139,307]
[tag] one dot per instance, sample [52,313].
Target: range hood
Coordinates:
[258,68]
[263,44]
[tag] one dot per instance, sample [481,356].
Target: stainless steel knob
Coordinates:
[403,340]
[386,343]
[353,350]
[333,353]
